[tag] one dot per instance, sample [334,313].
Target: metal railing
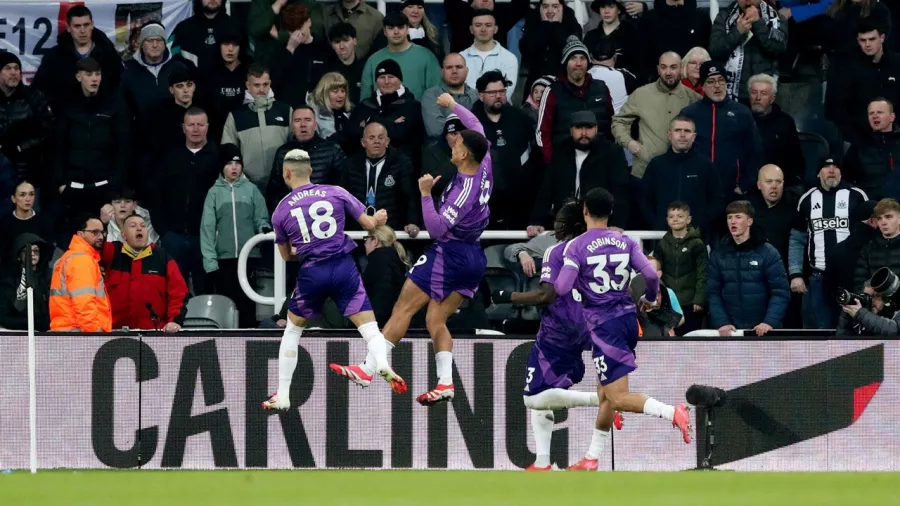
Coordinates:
[280,273]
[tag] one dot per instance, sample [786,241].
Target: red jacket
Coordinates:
[151,278]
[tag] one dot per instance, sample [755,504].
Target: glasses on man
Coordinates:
[95,231]
[495,93]
[717,82]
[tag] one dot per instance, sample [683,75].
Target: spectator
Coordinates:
[124,204]
[524,253]
[575,91]
[233,212]
[386,271]
[26,124]
[331,105]
[683,260]
[436,155]
[366,21]
[55,76]
[870,161]
[459,18]
[383,177]
[863,229]
[547,30]
[822,221]
[453,81]
[395,107]
[681,174]
[726,130]
[271,23]
[198,37]
[421,30]
[690,68]
[28,268]
[675,26]
[92,142]
[584,162]
[188,173]
[420,69]
[78,300]
[857,81]
[653,106]
[668,314]
[749,36]
[745,283]
[777,129]
[168,127]
[146,288]
[621,82]
[841,24]
[325,156]
[298,66]
[259,127]
[23,219]
[511,134]
[344,44]
[225,81]
[533,100]
[884,249]
[486,54]
[616,28]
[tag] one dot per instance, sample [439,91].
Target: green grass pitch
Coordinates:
[450,488]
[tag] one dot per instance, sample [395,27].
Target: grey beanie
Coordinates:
[151,30]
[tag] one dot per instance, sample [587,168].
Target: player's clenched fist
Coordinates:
[446,100]
[380,217]
[426,183]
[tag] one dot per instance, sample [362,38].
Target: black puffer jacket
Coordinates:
[26,125]
[688,177]
[327,162]
[383,278]
[781,144]
[878,253]
[870,164]
[13,304]
[397,191]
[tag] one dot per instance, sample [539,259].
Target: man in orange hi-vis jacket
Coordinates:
[78,300]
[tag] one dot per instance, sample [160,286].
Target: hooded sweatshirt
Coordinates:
[259,128]
[17,278]
[232,214]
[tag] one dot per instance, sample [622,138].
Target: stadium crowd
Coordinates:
[763,143]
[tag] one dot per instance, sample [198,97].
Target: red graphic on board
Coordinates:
[861,398]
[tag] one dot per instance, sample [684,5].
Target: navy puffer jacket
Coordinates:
[746,284]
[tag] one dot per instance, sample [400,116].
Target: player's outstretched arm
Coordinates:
[544,295]
[369,222]
[468,119]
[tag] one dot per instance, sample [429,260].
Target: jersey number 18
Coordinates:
[323,223]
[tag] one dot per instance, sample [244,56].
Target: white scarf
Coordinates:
[416,33]
[735,64]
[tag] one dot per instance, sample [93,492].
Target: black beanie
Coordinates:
[389,66]
[229,153]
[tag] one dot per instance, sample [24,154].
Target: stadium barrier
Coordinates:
[796,403]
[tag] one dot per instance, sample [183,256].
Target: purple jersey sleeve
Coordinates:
[552,264]
[436,225]
[468,119]
[565,281]
[641,264]
[281,236]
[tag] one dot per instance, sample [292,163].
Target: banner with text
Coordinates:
[194,403]
[30,29]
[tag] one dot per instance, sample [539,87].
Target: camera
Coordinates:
[884,282]
[846,297]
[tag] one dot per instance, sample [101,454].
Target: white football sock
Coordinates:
[655,408]
[375,344]
[369,365]
[542,426]
[558,398]
[444,361]
[598,443]
[287,357]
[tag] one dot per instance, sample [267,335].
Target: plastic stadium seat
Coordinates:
[500,277]
[814,147]
[211,312]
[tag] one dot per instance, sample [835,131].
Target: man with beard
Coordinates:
[78,298]
[583,162]
[822,222]
[511,134]
[781,143]
[869,162]
[653,106]
[197,38]
[574,91]
[453,81]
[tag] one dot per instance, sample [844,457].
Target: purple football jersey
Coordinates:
[311,218]
[562,322]
[603,260]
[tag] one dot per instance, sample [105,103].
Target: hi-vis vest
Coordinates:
[78,300]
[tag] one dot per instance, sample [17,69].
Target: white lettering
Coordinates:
[606,241]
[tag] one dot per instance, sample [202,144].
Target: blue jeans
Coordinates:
[821,305]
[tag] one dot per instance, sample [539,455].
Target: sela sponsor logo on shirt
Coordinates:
[822,224]
[451,214]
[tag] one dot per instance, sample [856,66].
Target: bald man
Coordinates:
[453,81]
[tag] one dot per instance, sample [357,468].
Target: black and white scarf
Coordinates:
[735,64]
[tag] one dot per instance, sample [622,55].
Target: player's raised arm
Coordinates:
[468,119]
[437,223]
[369,222]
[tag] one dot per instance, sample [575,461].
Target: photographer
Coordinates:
[872,312]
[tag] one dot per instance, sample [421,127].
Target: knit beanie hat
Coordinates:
[230,153]
[389,66]
[544,81]
[151,30]
[574,46]
[6,58]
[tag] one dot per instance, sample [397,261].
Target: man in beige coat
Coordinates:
[653,105]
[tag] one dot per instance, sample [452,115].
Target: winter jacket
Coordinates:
[406,135]
[684,264]
[145,88]
[746,284]
[762,45]
[26,127]
[56,75]
[114,233]
[853,84]
[327,162]
[258,128]
[838,30]
[38,224]
[604,167]
[296,74]
[187,178]
[727,133]
[689,177]
[874,325]
[543,42]
[17,277]
[366,19]
[847,252]
[224,91]
[92,140]
[677,28]
[232,214]
[459,19]
[870,164]
[383,278]
[196,38]
[626,39]
[511,138]
[436,161]
[653,106]
[879,252]
[434,116]
[560,100]
[781,144]
[420,68]
[397,191]
[152,277]
[327,121]
[776,221]
[79,301]
[261,19]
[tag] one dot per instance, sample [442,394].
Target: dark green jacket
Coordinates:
[684,267]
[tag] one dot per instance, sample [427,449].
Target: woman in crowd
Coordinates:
[28,269]
[421,30]
[386,271]
[332,105]
[533,101]
[23,219]
[690,68]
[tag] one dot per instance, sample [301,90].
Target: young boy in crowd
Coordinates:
[234,211]
[683,257]
[124,204]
